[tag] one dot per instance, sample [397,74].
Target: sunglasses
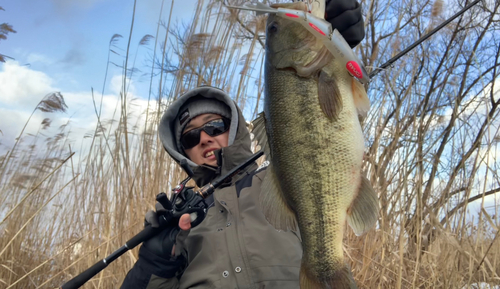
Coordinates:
[213,128]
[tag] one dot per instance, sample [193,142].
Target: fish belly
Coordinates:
[317,162]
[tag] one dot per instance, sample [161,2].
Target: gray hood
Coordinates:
[239,142]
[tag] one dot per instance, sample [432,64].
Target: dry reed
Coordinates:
[432,136]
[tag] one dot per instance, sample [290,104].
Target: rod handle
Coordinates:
[144,235]
[85,276]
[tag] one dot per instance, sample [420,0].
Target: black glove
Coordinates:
[161,244]
[345,16]
[189,202]
[156,255]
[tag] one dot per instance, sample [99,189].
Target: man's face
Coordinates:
[202,153]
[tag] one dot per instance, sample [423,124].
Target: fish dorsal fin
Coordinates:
[329,96]
[274,205]
[363,212]
[361,100]
[260,134]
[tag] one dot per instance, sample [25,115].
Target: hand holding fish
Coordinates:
[345,16]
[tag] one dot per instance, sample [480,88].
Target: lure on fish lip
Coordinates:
[322,30]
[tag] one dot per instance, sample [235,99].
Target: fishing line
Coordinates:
[423,38]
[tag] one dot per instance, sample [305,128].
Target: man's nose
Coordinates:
[204,138]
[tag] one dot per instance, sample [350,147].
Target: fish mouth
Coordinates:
[296,50]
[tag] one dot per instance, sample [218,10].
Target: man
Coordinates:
[235,246]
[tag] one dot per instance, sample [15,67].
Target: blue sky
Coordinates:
[62,45]
[68,39]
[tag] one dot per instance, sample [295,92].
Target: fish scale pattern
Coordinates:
[316,160]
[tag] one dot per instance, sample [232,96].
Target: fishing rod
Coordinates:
[322,30]
[174,212]
[335,42]
[422,39]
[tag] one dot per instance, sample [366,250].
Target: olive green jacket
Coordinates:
[235,246]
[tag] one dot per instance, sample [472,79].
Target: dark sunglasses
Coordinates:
[213,128]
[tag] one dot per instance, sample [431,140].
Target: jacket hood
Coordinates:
[237,151]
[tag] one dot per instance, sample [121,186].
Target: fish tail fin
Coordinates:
[342,279]
[306,282]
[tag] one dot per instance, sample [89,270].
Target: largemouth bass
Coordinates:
[312,137]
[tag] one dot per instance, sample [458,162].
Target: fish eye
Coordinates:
[272,27]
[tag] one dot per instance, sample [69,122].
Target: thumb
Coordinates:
[185,222]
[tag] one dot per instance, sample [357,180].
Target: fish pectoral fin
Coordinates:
[322,58]
[329,96]
[260,134]
[361,100]
[363,212]
[274,205]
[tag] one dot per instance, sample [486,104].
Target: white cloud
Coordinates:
[21,89]
[21,86]
[116,84]
[12,123]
